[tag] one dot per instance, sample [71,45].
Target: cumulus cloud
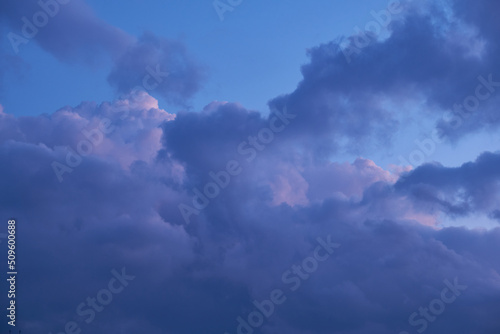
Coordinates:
[119,207]
[237,250]
[470,188]
[432,54]
[158,64]
[73,33]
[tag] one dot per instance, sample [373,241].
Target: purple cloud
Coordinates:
[71,32]
[119,206]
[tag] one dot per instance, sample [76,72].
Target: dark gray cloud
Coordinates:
[119,207]
[158,65]
[472,187]
[72,32]
[430,55]
[113,213]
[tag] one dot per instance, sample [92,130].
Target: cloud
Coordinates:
[208,273]
[73,33]
[160,65]
[431,54]
[119,207]
[470,188]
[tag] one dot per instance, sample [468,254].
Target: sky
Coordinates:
[233,166]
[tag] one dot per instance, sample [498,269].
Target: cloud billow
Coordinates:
[119,207]
[73,33]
